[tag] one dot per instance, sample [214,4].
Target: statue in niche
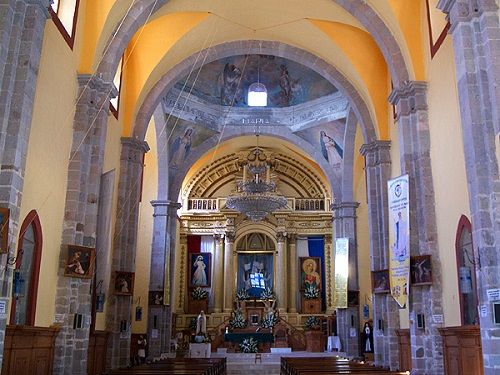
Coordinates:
[228,83]
[331,150]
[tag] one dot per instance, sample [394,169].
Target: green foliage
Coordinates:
[242,294]
[269,321]
[249,346]
[267,294]
[311,292]
[199,293]
[312,323]
[238,321]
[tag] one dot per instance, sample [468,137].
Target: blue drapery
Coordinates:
[316,247]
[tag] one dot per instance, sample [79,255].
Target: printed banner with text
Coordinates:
[399,238]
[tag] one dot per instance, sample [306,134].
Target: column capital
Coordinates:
[281,237]
[218,238]
[343,210]
[375,147]
[230,237]
[292,238]
[165,208]
[461,11]
[409,98]
[135,144]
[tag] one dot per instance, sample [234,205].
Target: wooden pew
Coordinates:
[329,365]
[184,366]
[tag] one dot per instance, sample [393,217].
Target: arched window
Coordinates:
[466,272]
[26,274]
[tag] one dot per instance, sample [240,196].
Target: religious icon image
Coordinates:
[200,269]
[180,148]
[310,272]
[255,273]
[124,283]
[331,150]
[368,337]
[4,230]
[380,281]
[399,248]
[421,270]
[156,298]
[80,262]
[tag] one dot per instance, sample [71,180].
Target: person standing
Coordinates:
[141,351]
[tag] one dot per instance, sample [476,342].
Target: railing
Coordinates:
[296,204]
[296,338]
[202,204]
[307,204]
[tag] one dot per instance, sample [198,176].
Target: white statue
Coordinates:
[201,324]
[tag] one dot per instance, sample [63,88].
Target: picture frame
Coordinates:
[80,262]
[420,270]
[310,272]
[200,270]
[156,298]
[4,230]
[124,283]
[380,281]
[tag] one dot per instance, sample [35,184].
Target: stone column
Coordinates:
[159,317]
[344,222]
[217,289]
[74,295]
[281,273]
[329,274]
[378,171]
[22,25]
[414,142]
[292,273]
[475,28]
[228,272]
[124,248]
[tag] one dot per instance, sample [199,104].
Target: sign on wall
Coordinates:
[341,273]
[399,238]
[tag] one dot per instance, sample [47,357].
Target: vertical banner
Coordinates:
[341,273]
[399,238]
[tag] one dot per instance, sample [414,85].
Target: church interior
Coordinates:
[206,178]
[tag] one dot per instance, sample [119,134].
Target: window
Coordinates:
[64,14]
[466,272]
[27,271]
[114,103]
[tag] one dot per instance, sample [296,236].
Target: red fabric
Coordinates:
[194,244]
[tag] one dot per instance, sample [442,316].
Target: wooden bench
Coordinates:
[184,366]
[329,365]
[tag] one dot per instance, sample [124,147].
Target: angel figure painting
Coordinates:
[331,150]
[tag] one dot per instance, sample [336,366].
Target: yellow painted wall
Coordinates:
[363,229]
[145,232]
[448,170]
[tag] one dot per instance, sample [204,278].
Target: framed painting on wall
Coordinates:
[4,230]
[80,262]
[201,264]
[380,281]
[310,271]
[156,298]
[124,283]
[421,270]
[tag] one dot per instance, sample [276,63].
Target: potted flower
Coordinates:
[241,297]
[198,300]
[267,294]
[315,341]
[237,320]
[249,345]
[311,301]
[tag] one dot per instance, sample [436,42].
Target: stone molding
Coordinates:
[409,98]
[460,11]
[165,208]
[344,210]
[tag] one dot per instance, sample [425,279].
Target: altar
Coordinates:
[234,339]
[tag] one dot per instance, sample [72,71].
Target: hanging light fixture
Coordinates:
[256,197]
[257,92]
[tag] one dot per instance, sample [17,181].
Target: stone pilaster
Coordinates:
[475,28]
[280,288]
[292,276]
[124,248]
[414,142]
[228,272]
[344,224]
[218,290]
[162,263]
[21,34]
[385,309]
[181,284]
[74,295]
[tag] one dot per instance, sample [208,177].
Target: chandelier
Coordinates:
[256,197]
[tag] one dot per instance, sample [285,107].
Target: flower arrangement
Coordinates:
[249,346]
[269,321]
[238,321]
[242,294]
[199,294]
[311,292]
[267,294]
[312,323]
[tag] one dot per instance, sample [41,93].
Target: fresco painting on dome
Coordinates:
[226,81]
[329,139]
[184,137]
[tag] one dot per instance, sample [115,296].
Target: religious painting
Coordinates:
[421,270]
[380,281]
[156,298]
[200,269]
[124,283]
[310,272]
[80,262]
[4,230]
[255,272]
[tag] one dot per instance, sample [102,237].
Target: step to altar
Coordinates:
[252,368]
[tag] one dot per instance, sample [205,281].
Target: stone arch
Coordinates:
[280,49]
